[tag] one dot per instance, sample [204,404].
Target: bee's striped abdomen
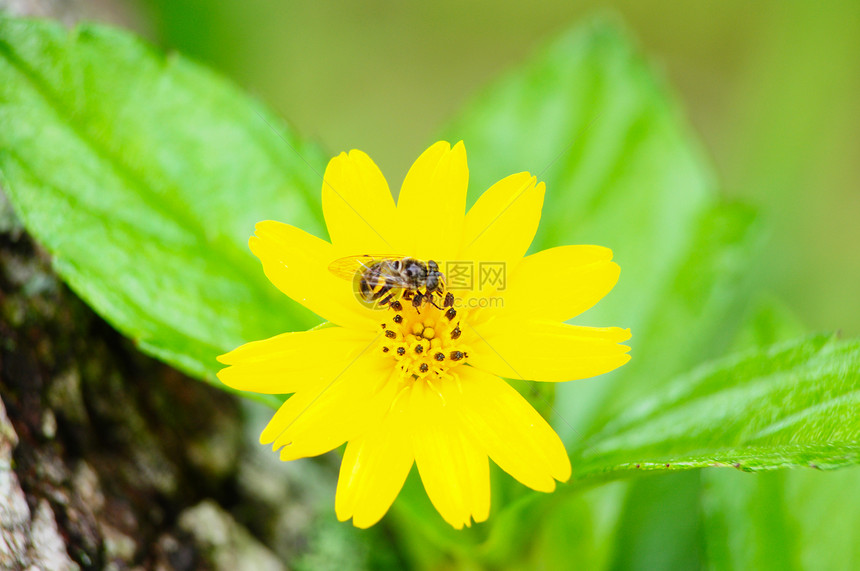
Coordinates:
[384,282]
[373,285]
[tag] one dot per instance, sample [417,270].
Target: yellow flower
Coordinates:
[424,384]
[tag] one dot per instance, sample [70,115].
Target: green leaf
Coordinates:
[791,405]
[143,175]
[701,307]
[768,322]
[779,519]
[591,118]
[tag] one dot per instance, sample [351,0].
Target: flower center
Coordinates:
[425,345]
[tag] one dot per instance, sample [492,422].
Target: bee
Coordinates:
[380,281]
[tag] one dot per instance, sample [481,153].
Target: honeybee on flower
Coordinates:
[384,280]
[422,382]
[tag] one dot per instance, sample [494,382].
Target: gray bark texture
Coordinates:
[108,459]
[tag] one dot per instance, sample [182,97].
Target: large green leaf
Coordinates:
[590,117]
[782,519]
[791,405]
[143,175]
[700,308]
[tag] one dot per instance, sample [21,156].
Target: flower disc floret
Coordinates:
[422,344]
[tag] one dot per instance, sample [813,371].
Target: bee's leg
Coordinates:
[430,297]
[407,295]
[386,300]
[416,301]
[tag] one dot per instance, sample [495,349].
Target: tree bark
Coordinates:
[108,459]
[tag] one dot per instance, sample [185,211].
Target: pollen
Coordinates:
[426,346]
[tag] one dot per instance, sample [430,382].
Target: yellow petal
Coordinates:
[329,410]
[432,202]
[455,472]
[374,467]
[546,351]
[341,413]
[358,207]
[515,436]
[297,263]
[560,283]
[285,363]
[502,223]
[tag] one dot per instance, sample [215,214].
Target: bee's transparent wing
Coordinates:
[349,266]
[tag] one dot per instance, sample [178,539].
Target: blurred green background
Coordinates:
[771,88]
